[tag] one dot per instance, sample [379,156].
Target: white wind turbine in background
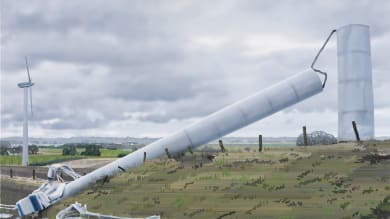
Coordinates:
[27,89]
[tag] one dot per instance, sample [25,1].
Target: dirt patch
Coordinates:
[89,163]
[26,172]
[82,167]
[12,190]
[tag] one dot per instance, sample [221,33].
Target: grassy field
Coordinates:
[47,155]
[105,153]
[296,182]
[35,159]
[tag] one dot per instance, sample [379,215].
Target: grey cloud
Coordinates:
[74,123]
[153,71]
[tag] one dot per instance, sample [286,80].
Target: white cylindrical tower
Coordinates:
[25,129]
[355,92]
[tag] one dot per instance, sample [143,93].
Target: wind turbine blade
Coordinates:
[28,70]
[31,105]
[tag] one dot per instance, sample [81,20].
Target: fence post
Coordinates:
[144,156]
[190,150]
[221,146]
[356,131]
[260,143]
[11,173]
[304,136]
[168,154]
[33,174]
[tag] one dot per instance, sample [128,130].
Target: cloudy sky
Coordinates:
[149,68]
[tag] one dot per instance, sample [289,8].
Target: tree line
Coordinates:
[90,149]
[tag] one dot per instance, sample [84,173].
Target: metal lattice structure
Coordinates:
[317,138]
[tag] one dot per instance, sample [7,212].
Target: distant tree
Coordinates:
[17,149]
[4,146]
[3,150]
[33,149]
[69,150]
[122,154]
[91,150]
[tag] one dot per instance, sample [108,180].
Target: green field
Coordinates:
[35,159]
[296,182]
[49,155]
[105,153]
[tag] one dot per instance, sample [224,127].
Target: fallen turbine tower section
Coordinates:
[214,126]
[233,117]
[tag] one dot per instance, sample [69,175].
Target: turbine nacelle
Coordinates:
[25,84]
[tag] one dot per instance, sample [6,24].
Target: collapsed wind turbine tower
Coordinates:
[26,89]
[264,103]
[354,74]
